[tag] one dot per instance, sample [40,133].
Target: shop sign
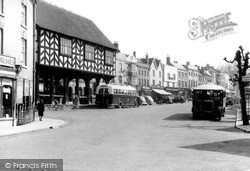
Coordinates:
[7,61]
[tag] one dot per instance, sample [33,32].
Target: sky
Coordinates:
[160,27]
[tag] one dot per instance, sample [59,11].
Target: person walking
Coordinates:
[76,102]
[40,108]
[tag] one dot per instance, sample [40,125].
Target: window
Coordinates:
[160,74]
[153,82]
[65,46]
[121,67]
[24,15]
[24,52]
[153,73]
[139,72]
[1,41]
[160,83]
[109,58]
[120,79]
[1,6]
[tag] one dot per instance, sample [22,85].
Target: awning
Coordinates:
[162,92]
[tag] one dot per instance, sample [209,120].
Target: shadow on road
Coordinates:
[180,116]
[230,129]
[234,147]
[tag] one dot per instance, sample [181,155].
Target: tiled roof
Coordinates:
[179,66]
[65,22]
[157,62]
[150,60]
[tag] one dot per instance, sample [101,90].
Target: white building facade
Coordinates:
[170,75]
[17,24]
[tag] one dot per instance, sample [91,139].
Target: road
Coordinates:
[157,137]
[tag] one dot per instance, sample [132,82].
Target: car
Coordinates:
[229,101]
[149,100]
[142,100]
[179,99]
[167,99]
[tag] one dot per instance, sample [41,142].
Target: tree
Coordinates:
[242,65]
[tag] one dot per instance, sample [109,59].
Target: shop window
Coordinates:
[41,87]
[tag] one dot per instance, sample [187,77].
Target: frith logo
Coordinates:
[210,28]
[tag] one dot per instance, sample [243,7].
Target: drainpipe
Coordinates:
[34,59]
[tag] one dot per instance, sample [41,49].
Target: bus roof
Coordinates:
[209,87]
[117,86]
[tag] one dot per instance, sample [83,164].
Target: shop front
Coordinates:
[7,91]
[16,106]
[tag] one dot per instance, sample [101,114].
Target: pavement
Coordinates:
[239,122]
[46,123]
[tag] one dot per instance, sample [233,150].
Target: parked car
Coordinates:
[179,99]
[167,99]
[142,100]
[229,101]
[149,100]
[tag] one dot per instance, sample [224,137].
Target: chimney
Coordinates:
[116,44]
[187,63]
[208,66]
[168,60]
[198,67]
[147,59]
[134,53]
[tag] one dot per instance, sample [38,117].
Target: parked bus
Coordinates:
[109,95]
[209,100]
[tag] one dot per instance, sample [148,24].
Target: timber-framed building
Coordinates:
[73,55]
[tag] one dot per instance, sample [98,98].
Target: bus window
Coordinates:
[106,91]
[101,91]
[120,91]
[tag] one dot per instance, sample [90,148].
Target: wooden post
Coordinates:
[52,87]
[66,89]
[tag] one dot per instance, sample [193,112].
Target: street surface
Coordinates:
[157,137]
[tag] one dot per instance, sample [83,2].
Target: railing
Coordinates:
[58,107]
[24,116]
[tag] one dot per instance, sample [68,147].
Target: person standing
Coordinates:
[40,108]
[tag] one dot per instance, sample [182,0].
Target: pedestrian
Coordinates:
[40,108]
[76,102]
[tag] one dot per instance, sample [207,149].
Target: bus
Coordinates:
[209,100]
[109,95]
